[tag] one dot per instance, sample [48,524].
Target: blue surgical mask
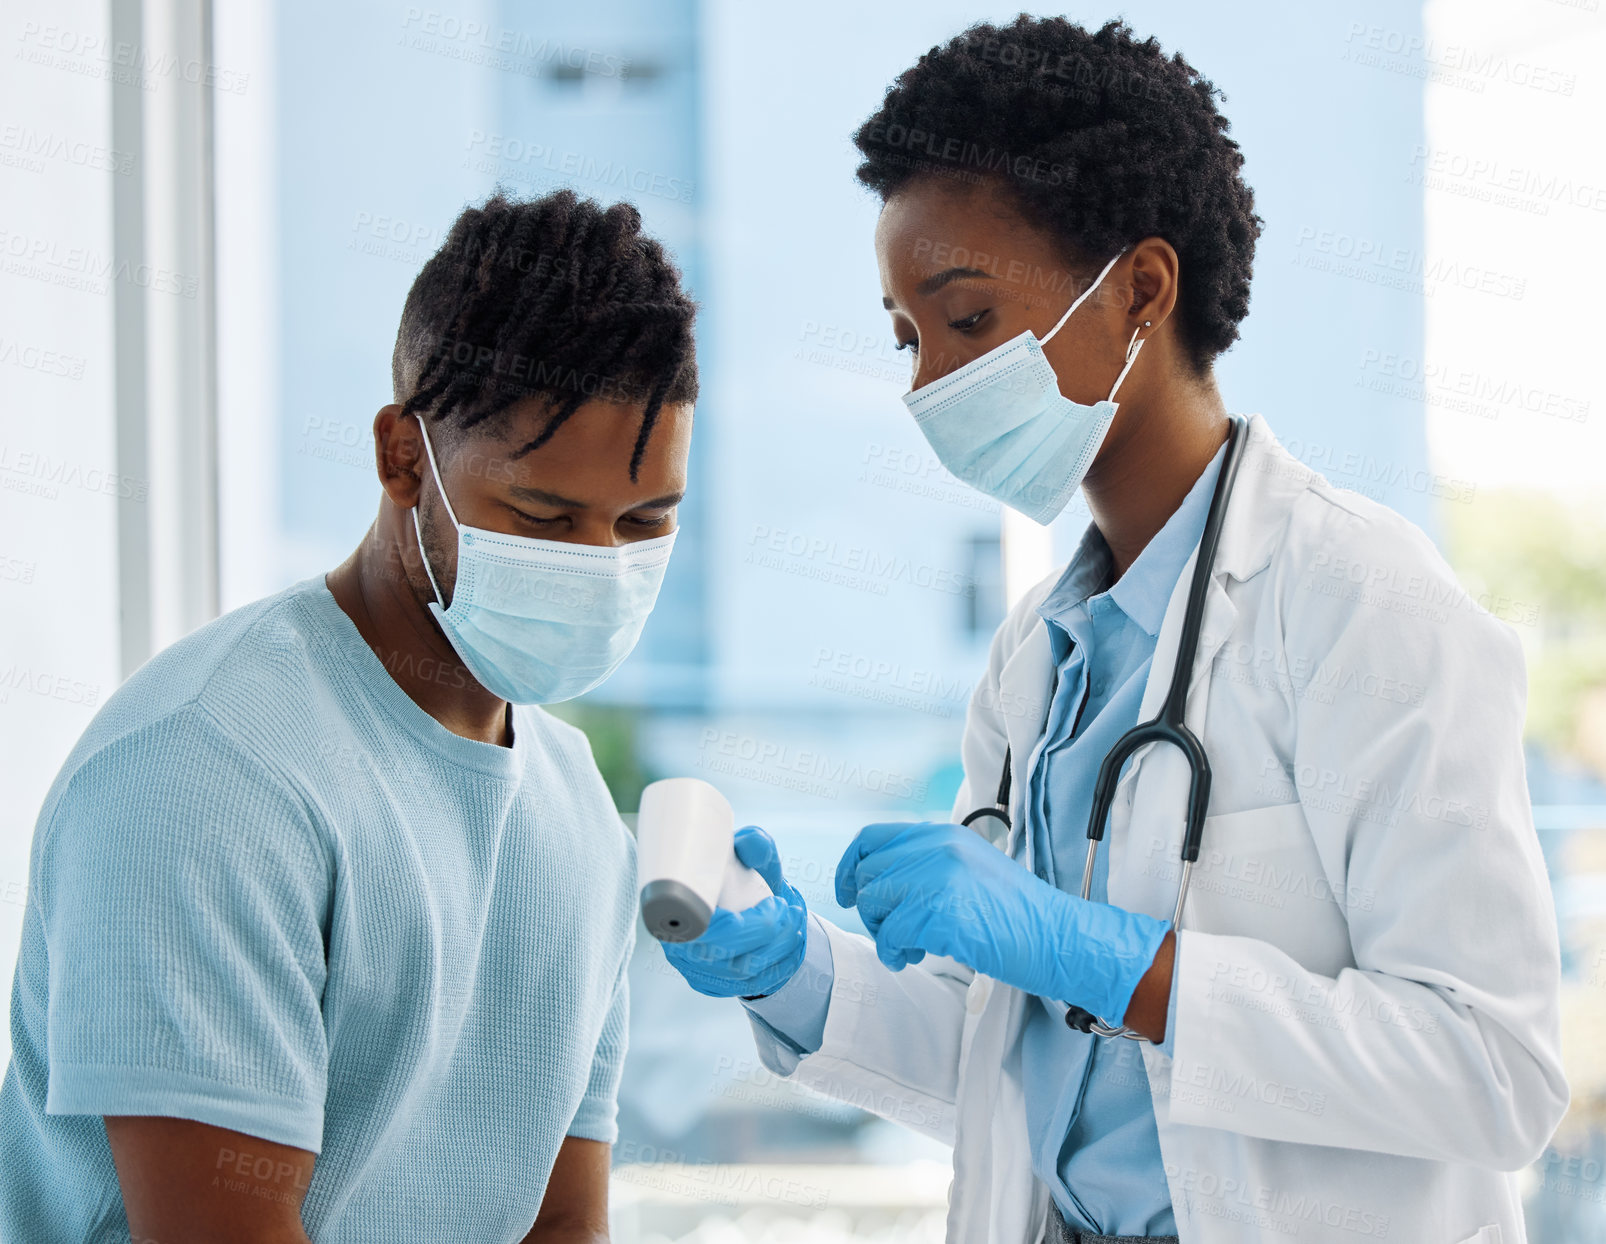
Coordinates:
[1001,424]
[539,621]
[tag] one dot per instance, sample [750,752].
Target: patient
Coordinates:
[327,923]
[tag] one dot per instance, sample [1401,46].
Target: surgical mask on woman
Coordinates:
[1001,424]
[539,621]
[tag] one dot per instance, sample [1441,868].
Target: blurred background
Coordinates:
[210,215]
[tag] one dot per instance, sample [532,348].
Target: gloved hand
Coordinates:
[754,952]
[944,889]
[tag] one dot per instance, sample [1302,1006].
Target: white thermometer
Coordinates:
[686,860]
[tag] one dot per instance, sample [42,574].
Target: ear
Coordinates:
[399,455]
[1154,280]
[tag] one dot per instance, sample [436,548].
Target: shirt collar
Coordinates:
[1087,574]
[1143,592]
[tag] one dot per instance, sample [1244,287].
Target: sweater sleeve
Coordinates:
[184,895]
[598,1115]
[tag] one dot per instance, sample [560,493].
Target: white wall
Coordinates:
[58,580]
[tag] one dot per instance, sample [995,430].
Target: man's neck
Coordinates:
[372,588]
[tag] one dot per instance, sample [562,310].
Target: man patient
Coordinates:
[327,922]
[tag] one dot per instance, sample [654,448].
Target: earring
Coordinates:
[1148,323]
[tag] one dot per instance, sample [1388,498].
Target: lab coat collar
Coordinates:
[1269,479]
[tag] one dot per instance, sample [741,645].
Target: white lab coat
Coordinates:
[1367,1037]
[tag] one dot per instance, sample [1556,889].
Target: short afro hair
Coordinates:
[1101,138]
[556,298]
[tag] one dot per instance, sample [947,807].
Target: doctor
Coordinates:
[1352,1031]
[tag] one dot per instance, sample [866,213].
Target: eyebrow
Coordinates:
[932,284]
[542,496]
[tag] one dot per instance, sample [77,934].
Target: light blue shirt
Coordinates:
[271,893]
[1092,1128]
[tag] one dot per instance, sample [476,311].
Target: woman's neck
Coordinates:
[1154,453]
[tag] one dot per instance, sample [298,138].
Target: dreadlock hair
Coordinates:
[556,298]
[1100,138]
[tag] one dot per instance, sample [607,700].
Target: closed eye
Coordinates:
[531,518]
[965,325]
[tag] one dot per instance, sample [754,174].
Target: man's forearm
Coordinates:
[556,1233]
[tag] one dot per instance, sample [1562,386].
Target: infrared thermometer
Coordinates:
[686,859]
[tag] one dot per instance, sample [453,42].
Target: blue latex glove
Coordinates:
[747,954]
[944,889]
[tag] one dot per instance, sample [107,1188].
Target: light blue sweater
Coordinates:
[271,893]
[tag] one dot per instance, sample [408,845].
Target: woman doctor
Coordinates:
[1352,1031]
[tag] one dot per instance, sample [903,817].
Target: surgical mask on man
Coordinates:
[539,621]
[1001,424]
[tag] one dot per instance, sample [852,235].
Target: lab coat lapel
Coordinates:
[1023,690]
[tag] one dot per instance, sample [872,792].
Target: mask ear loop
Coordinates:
[417,530]
[1132,348]
[1083,296]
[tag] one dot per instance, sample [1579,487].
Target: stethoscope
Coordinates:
[1167,726]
